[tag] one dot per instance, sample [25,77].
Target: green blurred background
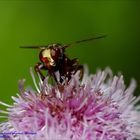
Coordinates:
[25,23]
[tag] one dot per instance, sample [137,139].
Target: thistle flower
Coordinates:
[99,107]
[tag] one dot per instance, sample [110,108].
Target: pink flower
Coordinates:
[99,107]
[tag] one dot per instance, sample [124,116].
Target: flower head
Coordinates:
[99,107]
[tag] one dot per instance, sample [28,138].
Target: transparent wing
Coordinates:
[34,47]
[84,40]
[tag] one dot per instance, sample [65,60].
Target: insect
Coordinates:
[53,58]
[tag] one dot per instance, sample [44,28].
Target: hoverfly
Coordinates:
[53,58]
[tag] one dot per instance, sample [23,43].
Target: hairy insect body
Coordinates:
[53,59]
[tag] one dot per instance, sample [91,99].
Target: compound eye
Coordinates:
[55,53]
[41,56]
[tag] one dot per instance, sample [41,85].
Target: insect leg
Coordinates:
[76,67]
[54,76]
[38,68]
[81,69]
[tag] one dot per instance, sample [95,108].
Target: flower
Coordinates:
[99,107]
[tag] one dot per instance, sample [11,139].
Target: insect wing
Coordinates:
[34,47]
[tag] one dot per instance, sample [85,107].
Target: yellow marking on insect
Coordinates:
[47,53]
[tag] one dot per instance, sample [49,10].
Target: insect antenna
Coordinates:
[84,40]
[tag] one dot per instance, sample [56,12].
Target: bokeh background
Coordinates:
[39,22]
